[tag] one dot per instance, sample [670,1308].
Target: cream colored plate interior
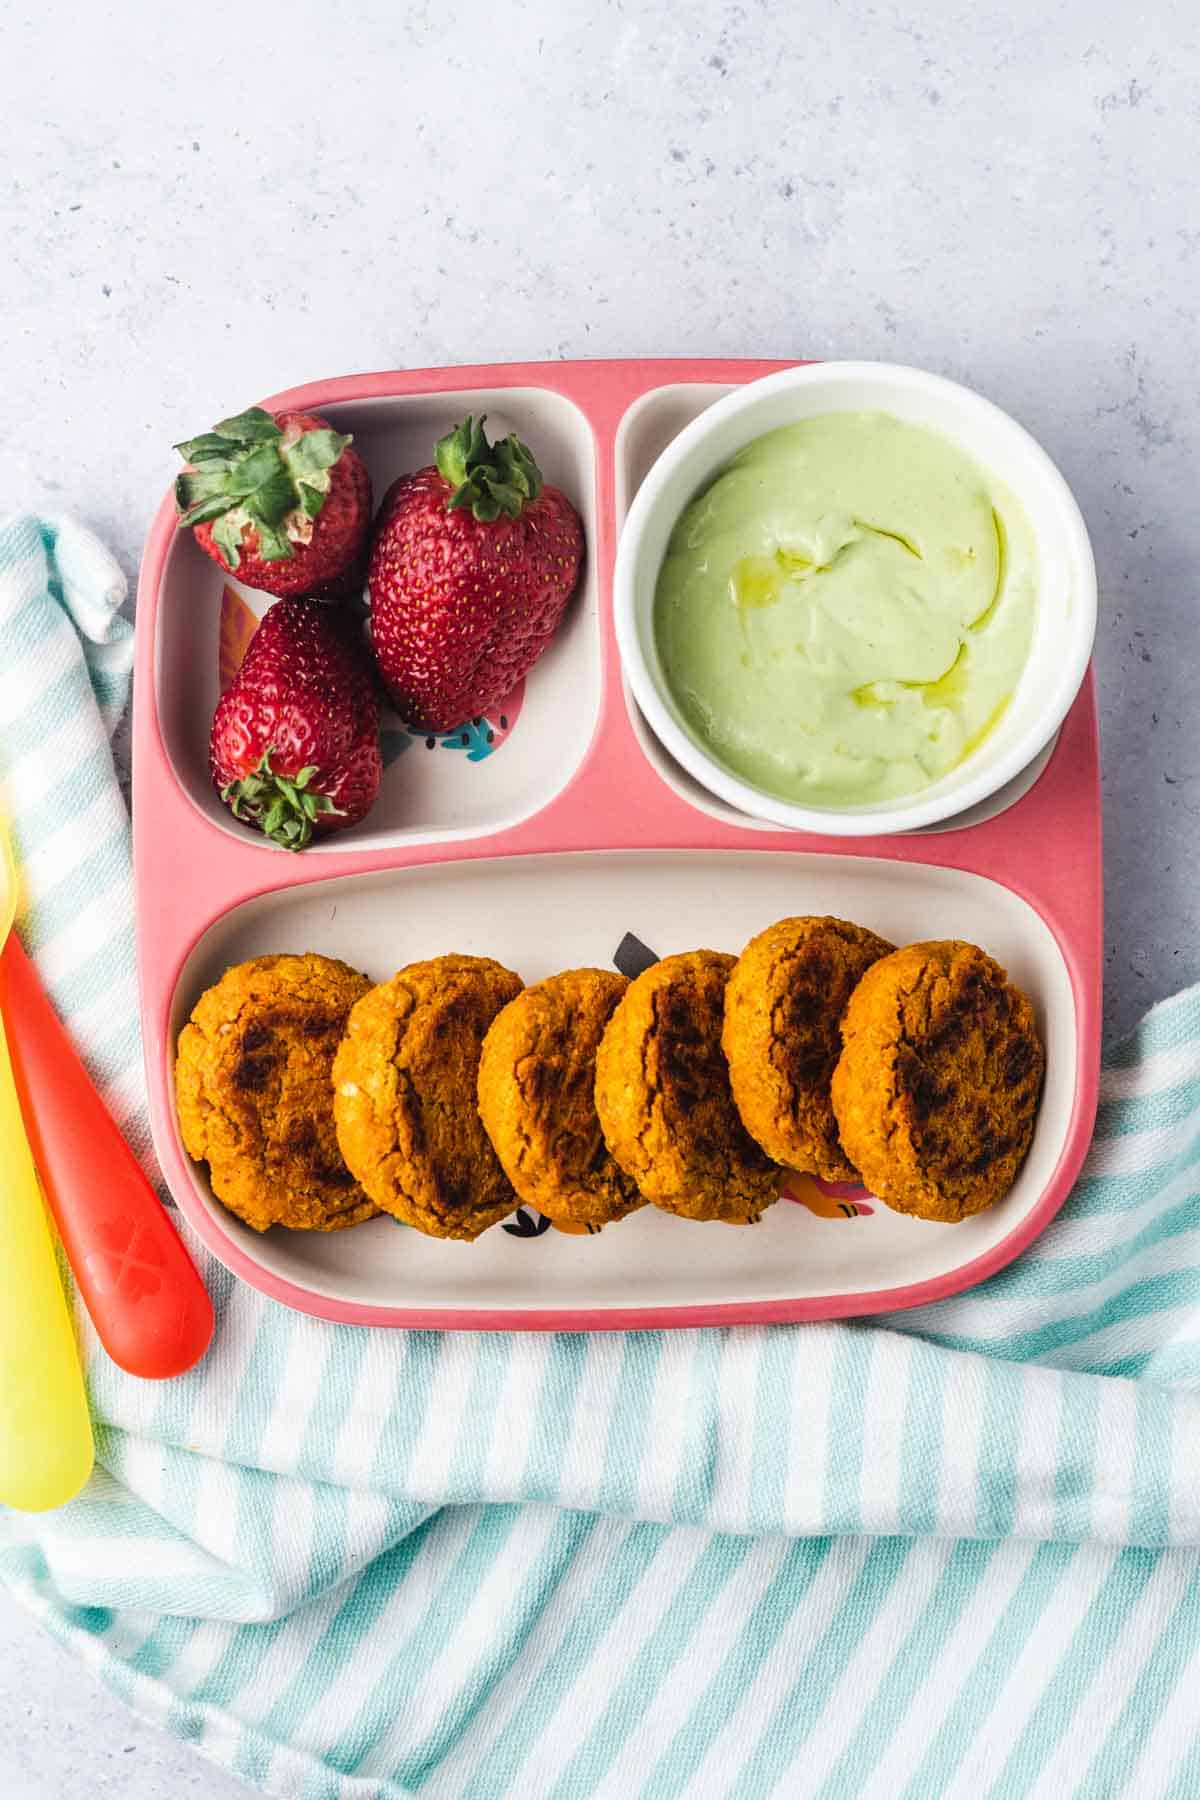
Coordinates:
[541,914]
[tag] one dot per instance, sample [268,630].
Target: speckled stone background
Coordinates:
[201,206]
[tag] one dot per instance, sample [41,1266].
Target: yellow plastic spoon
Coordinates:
[46,1449]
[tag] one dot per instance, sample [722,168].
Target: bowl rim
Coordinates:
[952,797]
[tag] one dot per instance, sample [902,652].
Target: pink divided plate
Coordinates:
[542,836]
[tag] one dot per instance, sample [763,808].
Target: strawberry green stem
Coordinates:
[489,478]
[246,471]
[282,806]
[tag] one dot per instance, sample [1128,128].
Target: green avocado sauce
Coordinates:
[843,614]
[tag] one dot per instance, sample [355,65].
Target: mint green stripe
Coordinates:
[123,1516]
[331,1404]
[103,869]
[771,1440]
[553,1413]
[596,1609]
[485,1413]
[118,1678]
[115,1051]
[320,1784]
[1154,1111]
[1186,1784]
[95,1620]
[1040,1343]
[23,1564]
[185,1719]
[1103,1622]
[1170,1365]
[180,1487]
[698,1441]
[414,1394]
[1046,1278]
[113,1058]
[1171,1023]
[921,1441]
[354,1620]
[92,977]
[473,1700]
[417,1766]
[995,1488]
[1166,1292]
[625,1446]
[792,1720]
[49,707]
[22,631]
[743,1351]
[1149,1510]
[69,797]
[1142,1364]
[841,1510]
[991,1670]
[21,541]
[163,1645]
[111,688]
[328,1559]
[1101,1196]
[257,1495]
[781,1600]
[243,1654]
[250,1407]
[652,1667]
[1075,1472]
[856,1771]
[175,1401]
[1109,1771]
[252,1758]
[49,534]
[424,1637]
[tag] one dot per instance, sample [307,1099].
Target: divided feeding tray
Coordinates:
[543,835]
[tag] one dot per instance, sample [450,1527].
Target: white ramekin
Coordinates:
[1066,610]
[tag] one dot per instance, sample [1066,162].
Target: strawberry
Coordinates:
[281,501]
[474,561]
[294,748]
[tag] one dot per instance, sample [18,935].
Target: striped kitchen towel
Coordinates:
[956,1554]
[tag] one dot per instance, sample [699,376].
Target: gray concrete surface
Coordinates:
[64,1737]
[202,206]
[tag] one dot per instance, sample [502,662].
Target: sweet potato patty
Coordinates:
[405,1095]
[664,1100]
[782,1036]
[937,1086]
[537,1081]
[252,1079]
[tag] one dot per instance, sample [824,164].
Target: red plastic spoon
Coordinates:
[149,1306]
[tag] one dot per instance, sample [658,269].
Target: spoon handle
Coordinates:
[45,1433]
[150,1308]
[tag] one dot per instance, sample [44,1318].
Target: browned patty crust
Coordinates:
[252,1079]
[405,1095]
[937,1087]
[782,1036]
[663,1095]
[537,1079]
